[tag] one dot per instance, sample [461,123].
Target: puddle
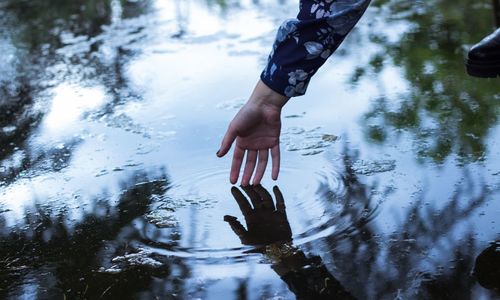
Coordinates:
[110,188]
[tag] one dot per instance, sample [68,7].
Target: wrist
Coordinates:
[262,95]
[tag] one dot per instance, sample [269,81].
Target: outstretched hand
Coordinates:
[266,222]
[256,129]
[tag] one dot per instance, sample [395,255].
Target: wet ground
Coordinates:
[112,111]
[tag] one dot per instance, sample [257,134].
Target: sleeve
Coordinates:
[303,44]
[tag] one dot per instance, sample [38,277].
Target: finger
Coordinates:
[235,226]
[254,197]
[261,166]
[236,165]
[275,155]
[249,167]
[227,141]
[244,205]
[280,201]
[267,199]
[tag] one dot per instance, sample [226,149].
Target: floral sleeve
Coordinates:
[303,44]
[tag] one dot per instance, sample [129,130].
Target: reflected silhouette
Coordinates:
[487,267]
[266,223]
[269,230]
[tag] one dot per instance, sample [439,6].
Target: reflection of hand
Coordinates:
[256,129]
[265,223]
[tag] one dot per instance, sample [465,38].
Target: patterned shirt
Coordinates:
[303,44]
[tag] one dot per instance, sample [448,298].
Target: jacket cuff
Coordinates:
[287,82]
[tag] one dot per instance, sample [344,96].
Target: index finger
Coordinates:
[245,207]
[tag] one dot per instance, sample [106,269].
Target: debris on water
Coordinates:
[145,149]
[313,152]
[296,115]
[231,104]
[9,129]
[131,163]
[329,137]
[308,142]
[102,173]
[176,201]
[126,123]
[142,258]
[363,167]
[162,218]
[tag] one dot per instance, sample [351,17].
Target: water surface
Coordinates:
[112,111]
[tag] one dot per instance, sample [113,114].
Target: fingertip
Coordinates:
[228,218]
[222,151]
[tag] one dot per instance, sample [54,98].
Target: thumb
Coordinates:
[236,226]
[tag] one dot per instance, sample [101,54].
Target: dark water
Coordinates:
[111,113]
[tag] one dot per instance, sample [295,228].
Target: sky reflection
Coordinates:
[113,112]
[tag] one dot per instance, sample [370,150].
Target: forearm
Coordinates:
[307,277]
[303,45]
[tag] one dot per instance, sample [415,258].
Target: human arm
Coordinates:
[301,47]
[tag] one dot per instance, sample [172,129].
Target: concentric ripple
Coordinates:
[188,220]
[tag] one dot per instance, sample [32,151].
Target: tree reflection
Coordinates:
[445,111]
[61,256]
[35,29]
[430,255]
[496,12]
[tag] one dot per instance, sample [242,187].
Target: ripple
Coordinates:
[187,221]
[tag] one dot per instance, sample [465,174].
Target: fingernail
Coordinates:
[217,152]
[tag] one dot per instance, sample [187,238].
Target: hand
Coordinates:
[265,223]
[256,129]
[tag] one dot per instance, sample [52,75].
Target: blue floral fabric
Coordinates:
[303,44]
